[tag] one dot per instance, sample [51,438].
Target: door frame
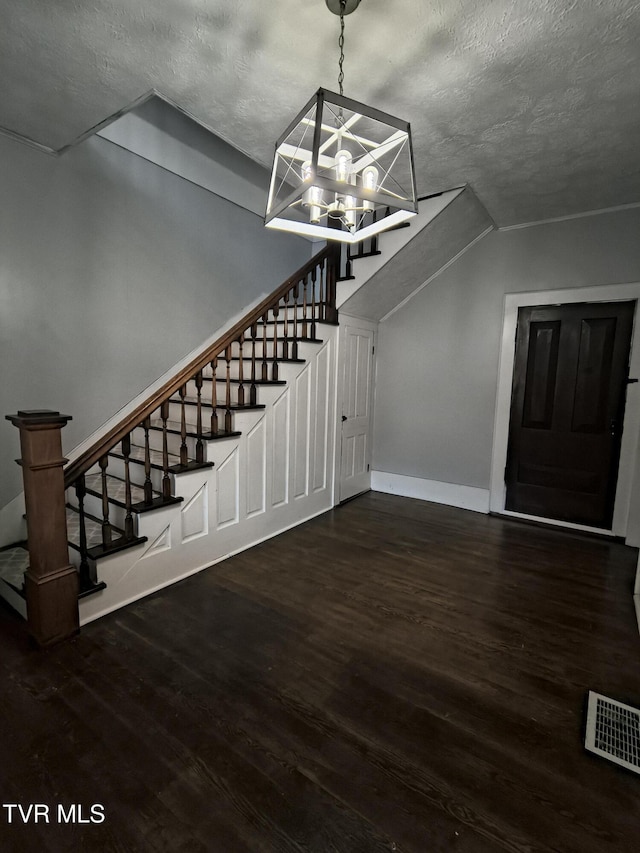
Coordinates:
[347,320]
[631,424]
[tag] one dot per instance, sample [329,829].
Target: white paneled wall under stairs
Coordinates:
[276,471]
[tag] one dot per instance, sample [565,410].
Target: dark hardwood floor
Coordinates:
[395,675]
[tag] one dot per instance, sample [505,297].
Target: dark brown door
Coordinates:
[570,375]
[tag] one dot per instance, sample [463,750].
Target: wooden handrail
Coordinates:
[161,395]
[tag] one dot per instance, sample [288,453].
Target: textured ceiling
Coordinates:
[535,104]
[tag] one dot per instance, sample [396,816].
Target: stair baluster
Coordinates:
[265,365]
[314,278]
[374,239]
[106,525]
[348,266]
[81,491]
[148,486]
[214,397]
[253,396]
[199,443]
[305,331]
[285,337]
[324,290]
[274,366]
[294,344]
[333,266]
[184,453]
[166,479]
[228,417]
[126,453]
[241,371]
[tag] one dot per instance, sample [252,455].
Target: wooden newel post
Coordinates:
[51,582]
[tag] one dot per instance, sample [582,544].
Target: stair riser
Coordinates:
[283,341]
[298,331]
[191,415]
[173,442]
[290,311]
[306,350]
[247,351]
[117,515]
[282,350]
[136,473]
[74,557]
[234,370]
[191,409]
[191,412]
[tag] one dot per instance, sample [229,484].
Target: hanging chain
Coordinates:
[343,3]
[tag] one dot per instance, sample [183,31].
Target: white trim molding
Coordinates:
[631,426]
[438,272]
[616,209]
[452,494]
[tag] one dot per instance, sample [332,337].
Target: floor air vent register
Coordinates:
[613,731]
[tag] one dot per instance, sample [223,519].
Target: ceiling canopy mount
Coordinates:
[336,6]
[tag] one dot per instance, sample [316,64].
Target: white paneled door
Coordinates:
[357,347]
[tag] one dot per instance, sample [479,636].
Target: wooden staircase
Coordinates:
[140,473]
[137,468]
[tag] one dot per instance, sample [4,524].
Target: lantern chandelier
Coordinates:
[342,170]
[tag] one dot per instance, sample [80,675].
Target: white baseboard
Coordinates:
[452,494]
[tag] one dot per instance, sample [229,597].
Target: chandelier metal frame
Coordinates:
[342,170]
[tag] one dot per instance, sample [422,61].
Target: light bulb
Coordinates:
[313,196]
[370,183]
[343,165]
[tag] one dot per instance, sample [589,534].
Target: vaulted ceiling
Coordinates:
[535,104]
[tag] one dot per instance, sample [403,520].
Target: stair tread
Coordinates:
[249,381]
[174,427]
[116,489]
[268,359]
[155,456]
[14,561]
[93,529]
[220,404]
[300,319]
[90,590]
[289,338]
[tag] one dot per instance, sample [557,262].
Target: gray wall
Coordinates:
[111,270]
[437,357]
[161,133]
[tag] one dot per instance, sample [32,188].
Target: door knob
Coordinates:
[344,417]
